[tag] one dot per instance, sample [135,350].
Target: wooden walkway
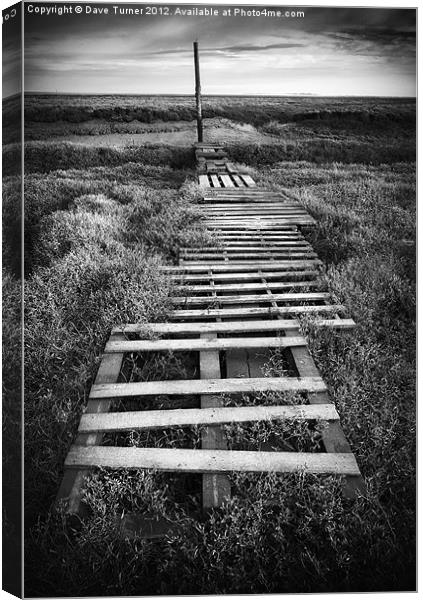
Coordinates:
[235,301]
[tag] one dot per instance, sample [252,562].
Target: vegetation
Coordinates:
[95,236]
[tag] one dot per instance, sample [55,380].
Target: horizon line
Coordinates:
[289,94]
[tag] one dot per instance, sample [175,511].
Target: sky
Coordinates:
[331,51]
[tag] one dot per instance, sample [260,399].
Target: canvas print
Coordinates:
[209,267]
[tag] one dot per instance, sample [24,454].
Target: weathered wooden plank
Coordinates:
[199,345]
[249,181]
[240,246]
[227,181]
[207,386]
[257,224]
[247,287]
[263,211]
[215,181]
[267,217]
[254,311]
[236,262]
[249,299]
[282,232]
[333,437]
[200,328]
[216,487]
[253,266]
[243,276]
[211,461]
[228,326]
[163,419]
[237,179]
[260,254]
[255,211]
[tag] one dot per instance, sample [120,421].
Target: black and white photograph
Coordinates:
[209,299]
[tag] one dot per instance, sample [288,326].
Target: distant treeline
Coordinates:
[247,114]
[256,111]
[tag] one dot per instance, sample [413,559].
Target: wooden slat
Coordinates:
[211,461]
[254,311]
[234,247]
[245,276]
[204,180]
[215,181]
[246,287]
[237,179]
[333,437]
[263,225]
[249,299]
[216,487]
[248,180]
[242,276]
[227,181]
[253,266]
[228,326]
[199,328]
[198,345]
[236,262]
[163,419]
[257,255]
[207,386]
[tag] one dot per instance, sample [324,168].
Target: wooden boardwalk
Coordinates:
[234,302]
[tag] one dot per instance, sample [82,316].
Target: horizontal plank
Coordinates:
[265,211]
[198,345]
[201,328]
[208,386]
[253,266]
[198,328]
[254,311]
[227,181]
[288,232]
[211,461]
[261,225]
[248,260]
[250,298]
[267,216]
[245,276]
[232,247]
[260,254]
[246,287]
[248,180]
[158,419]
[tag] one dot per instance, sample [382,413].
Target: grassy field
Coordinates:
[99,218]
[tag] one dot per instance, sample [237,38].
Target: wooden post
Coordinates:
[198,94]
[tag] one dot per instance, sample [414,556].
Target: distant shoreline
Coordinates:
[152,95]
